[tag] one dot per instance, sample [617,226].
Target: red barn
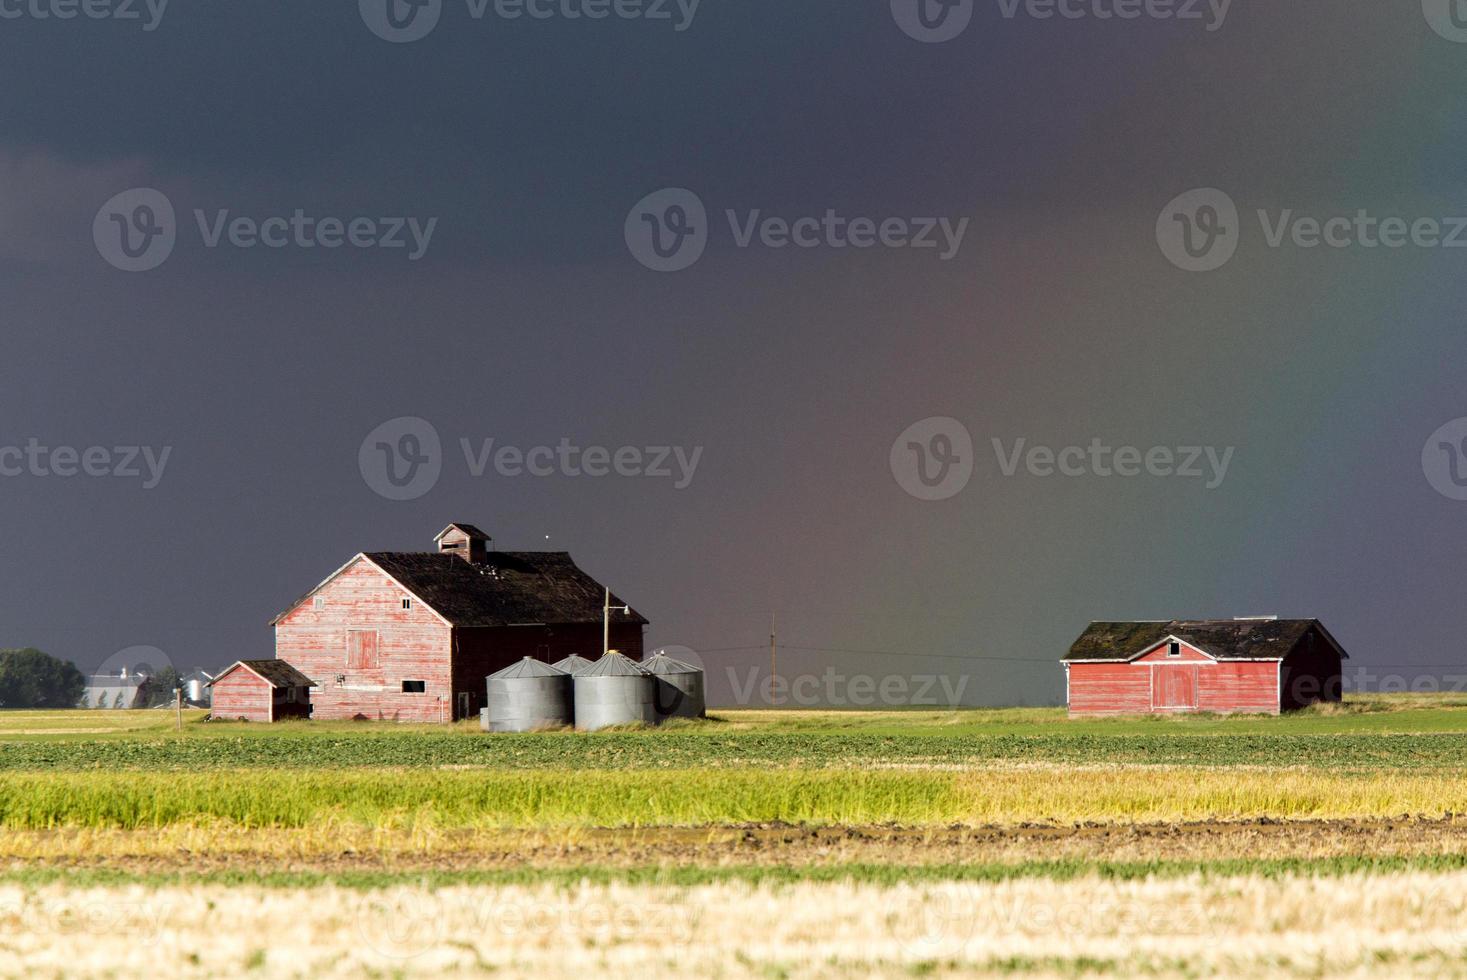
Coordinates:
[1241,665]
[410,636]
[260,690]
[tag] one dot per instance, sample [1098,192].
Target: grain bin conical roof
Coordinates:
[574,664]
[663,664]
[528,667]
[614,665]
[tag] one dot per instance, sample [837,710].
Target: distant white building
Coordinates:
[123,690]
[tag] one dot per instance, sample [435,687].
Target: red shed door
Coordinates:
[1174,687]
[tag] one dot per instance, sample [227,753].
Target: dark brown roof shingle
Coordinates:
[1225,639]
[277,672]
[508,588]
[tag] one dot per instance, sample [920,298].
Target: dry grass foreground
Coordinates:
[335,849]
[1378,925]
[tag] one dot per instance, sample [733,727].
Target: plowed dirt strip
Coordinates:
[1379,925]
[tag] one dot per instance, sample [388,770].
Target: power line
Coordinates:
[881,653]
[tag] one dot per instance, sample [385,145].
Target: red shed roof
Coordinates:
[276,673]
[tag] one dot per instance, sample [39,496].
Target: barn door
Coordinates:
[1174,687]
[361,650]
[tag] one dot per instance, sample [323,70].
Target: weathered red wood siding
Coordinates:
[1109,689]
[1232,686]
[1158,683]
[411,644]
[241,696]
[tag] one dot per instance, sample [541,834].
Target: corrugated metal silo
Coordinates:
[527,696]
[573,664]
[195,688]
[679,688]
[615,690]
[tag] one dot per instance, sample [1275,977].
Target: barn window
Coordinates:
[1174,649]
[319,602]
[407,603]
[415,687]
[290,695]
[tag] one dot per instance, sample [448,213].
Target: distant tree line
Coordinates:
[32,679]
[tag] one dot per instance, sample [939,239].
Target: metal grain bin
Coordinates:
[573,664]
[527,696]
[679,688]
[615,690]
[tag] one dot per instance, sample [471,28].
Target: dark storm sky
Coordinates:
[528,321]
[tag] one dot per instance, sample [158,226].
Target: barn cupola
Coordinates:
[465,541]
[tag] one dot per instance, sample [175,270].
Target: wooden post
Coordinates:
[773,659]
[178,705]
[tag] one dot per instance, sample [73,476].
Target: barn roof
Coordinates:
[468,529]
[277,673]
[509,588]
[1223,639]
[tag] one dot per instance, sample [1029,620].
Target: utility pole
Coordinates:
[773,658]
[606,610]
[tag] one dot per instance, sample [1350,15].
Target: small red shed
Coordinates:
[261,690]
[1264,666]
